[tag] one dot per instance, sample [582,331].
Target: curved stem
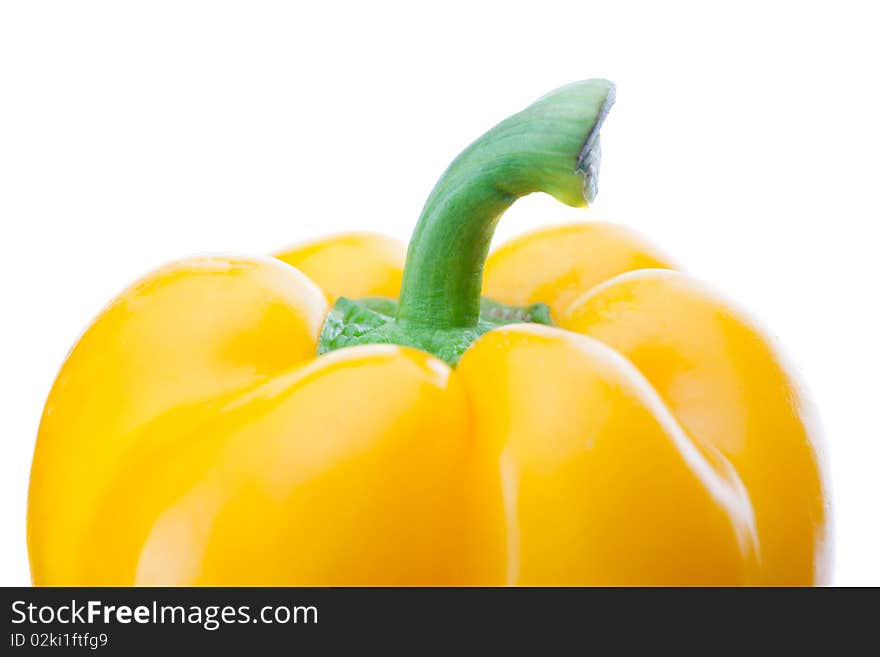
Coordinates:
[551,146]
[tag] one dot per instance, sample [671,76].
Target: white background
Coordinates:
[744,141]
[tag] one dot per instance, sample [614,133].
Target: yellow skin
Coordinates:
[352,264]
[655,437]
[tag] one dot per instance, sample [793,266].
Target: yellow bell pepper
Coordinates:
[574,412]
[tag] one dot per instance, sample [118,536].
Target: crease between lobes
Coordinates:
[604,486]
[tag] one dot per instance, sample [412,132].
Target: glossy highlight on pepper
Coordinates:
[570,409]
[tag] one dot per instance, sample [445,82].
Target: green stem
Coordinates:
[552,146]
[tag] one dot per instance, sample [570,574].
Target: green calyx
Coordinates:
[372,321]
[552,146]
